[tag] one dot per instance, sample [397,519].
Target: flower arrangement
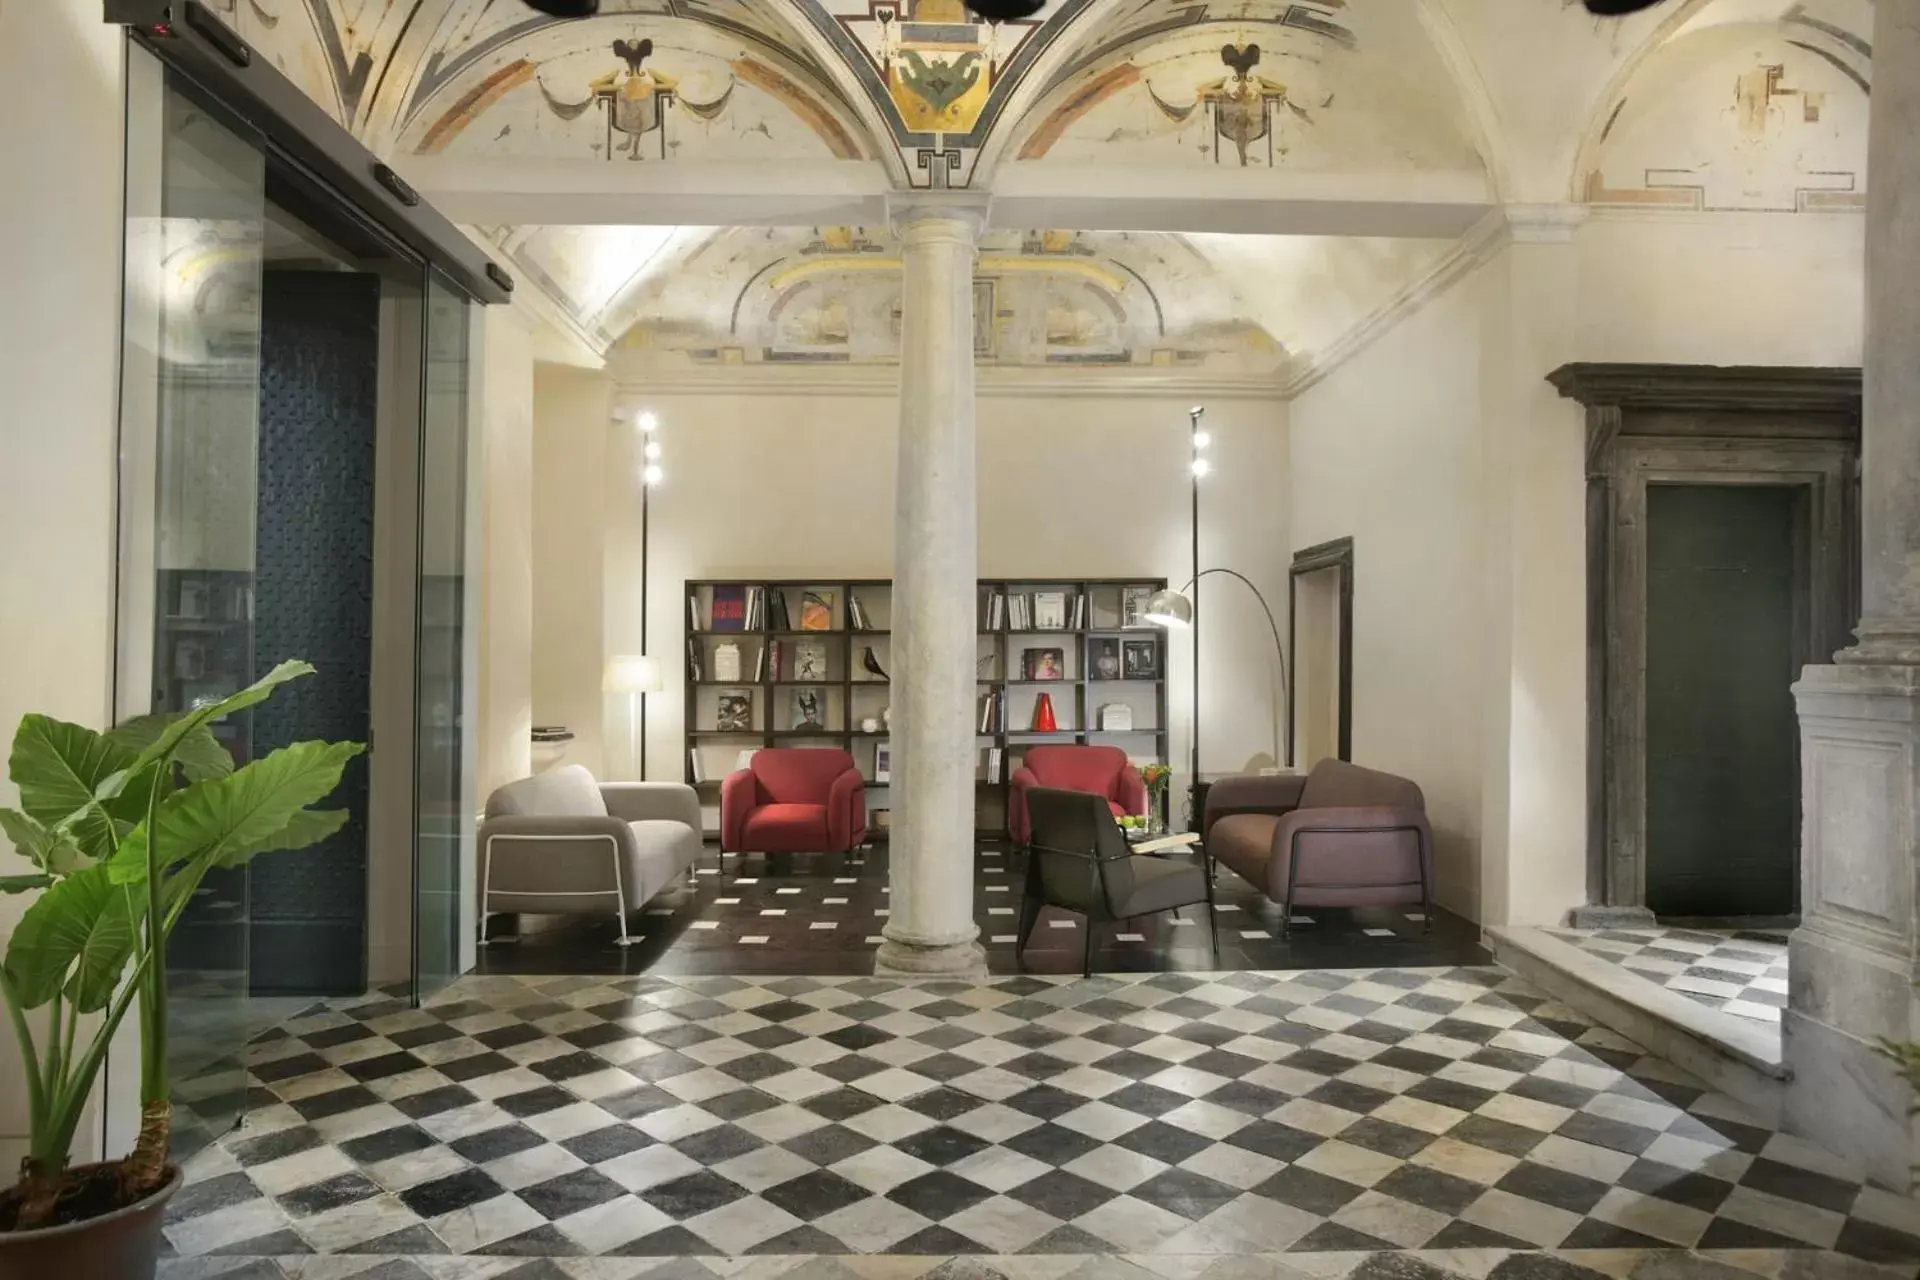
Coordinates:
[1156,776]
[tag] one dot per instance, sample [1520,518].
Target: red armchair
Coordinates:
[1100,771]
[794,800]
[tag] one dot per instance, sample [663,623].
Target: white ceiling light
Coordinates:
[647,421]
[651,475]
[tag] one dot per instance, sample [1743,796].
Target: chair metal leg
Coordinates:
[1086,963]
[1031,904]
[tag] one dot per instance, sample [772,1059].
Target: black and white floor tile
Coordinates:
[1741,972]
[811,914]
[1391,1124]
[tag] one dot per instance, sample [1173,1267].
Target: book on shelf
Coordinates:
[991,709]
[734,711]
[996,765]
[1050,610]
[856,613]
[993,611]
[1077,616]
[694,769]
[782,620]
[816,611]
[760,664]
[883,761]
[810,660]
[695,669]
[693,611]
[729,607]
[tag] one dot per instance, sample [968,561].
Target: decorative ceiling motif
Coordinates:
[938,76]
[1255,83]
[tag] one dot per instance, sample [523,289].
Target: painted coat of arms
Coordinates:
[939,64]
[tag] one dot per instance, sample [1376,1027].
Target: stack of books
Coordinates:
[856,613]
[996,765]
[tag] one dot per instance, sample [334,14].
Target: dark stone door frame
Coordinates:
[1337,554]
[1695,424]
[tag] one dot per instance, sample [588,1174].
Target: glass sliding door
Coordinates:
[443,810]
[196,230]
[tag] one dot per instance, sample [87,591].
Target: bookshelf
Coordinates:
[1093,665]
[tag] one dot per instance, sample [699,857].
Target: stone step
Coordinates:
[1737,1056]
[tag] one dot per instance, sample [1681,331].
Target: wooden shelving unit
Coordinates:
[849,694]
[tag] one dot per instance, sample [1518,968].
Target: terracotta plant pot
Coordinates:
[122,1245]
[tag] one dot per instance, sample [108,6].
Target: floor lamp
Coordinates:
[635,675]
[1179,610]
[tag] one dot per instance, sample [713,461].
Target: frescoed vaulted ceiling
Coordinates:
[1697,105]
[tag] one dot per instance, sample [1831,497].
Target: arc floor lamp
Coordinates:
[1179,611]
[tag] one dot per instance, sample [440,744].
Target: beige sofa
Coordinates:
[562,843]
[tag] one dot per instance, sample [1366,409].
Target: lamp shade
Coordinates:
[1169,609]
[632,673]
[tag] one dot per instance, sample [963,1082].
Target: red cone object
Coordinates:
[1043,721]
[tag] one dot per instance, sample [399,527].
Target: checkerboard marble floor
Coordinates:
[823,913]
[1388,1124]
[1741,972]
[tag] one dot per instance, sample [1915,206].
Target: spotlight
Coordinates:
[651,475]
[1201,439]
[1197,411]
[653,450]
[1201,467]
[566,8]
[1618,8]
[1006,10]
[647,422]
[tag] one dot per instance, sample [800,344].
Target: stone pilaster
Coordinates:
[931,929]
[1857,951]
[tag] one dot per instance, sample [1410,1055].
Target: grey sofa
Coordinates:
[1340,836]
[562,843]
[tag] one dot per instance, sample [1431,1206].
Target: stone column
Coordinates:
[1857,952]
[931,928]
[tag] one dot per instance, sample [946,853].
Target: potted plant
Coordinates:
[120,828]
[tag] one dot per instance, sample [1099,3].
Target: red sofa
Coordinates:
[794,800]
[1100,771]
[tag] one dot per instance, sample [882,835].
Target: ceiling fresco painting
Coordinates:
[1754,117]
[1326,86]
[831,295]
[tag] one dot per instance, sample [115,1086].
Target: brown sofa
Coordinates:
[1340,836]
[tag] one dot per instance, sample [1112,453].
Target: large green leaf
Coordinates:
[77,935]
[259,691]
[51,849]
[259,807]
[200,754]
[26,883]
[58,767]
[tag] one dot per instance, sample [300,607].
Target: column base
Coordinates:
[963,961]
[1595,917]
[1853,959]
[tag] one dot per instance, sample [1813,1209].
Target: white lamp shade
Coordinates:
[1170,609]
[632,673]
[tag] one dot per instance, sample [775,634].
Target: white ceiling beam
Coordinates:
[683,193]
[1028,196]
[1232,200]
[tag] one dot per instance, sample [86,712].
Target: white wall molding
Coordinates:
[1486,238]
[634,385]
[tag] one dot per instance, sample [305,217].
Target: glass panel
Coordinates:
[442,811]
[190,422]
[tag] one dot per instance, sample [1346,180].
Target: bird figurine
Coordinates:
[872,664]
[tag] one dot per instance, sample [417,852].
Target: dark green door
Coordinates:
[1723,806]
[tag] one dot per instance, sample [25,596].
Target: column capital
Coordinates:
[957,216]
[1544,223]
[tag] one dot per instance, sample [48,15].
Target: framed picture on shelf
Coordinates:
[816,611]
[1103,658]
[735,711]
[1140,659]
[193,598]
[1049,610]
[1043,664]
[883,761]
[809,709]
[810,660]
[1133,606]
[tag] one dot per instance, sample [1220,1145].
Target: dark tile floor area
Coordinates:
[1380,1124]
[822,914]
